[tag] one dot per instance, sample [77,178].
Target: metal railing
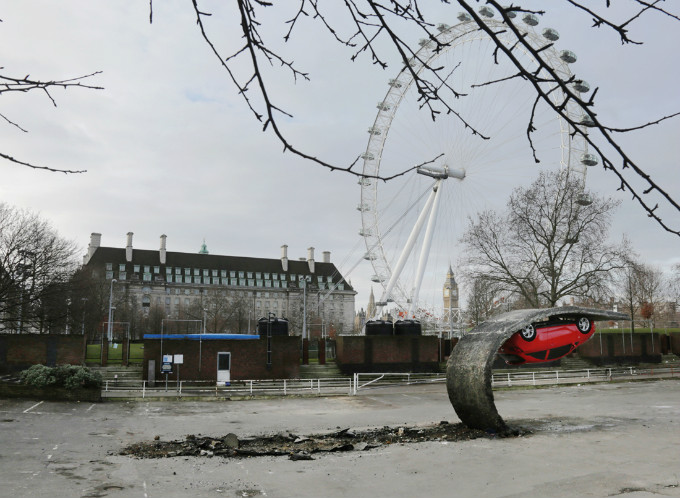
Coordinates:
[187,388]
[368,381]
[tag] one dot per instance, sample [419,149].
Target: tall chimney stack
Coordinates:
[310,259]
[326,256]
[284,257]
[128,249]
[162,250]
[95,242]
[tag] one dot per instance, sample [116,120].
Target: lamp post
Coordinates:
[109,334]
[82,328]
[304,306]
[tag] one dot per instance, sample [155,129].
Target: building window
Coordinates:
[242,281]
[121,267]
[259,283]
[186,301]
[197,271]
[284,284]
[258,275]
[233,281]
[223,273]
[135,268]
[187,271]
[250,274]
[167,301]
[176,301]
[276,283]
[214,273]
[292,277]
[156,269]
[241,274]
[266,276]
[122,275]
[168,270]
[147,277]
[232,274]
[109,275]
[178,271]
[329,279]
[206,273]
[251,282]
[274,276]
[109,266]
[341,286]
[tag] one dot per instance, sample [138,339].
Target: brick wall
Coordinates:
[20,351]
[248,358]
[617,348]
[387,354]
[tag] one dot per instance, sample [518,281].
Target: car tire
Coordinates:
[583,324]
[528,333]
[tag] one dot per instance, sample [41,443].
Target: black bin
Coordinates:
[408,327]
[379,327]
[277,326]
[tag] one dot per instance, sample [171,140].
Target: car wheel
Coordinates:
[583,325]
[528,333]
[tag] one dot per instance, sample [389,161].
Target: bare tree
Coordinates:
[35,265]
[382,31]
[652,285]
[483,300]
[547,245]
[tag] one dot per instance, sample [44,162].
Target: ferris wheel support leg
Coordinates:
[425,250]
[407,249]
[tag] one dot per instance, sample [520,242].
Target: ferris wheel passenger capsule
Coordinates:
[486,12]
[589,159]
[568,56]
[587,121]
[443,27]
[510,13]
[584,199]
[551,34]
[464,17]
[530,19]
[581,86]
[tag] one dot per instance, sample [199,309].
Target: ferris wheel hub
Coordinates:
[441,173]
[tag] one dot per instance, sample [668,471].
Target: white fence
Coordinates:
[363,382]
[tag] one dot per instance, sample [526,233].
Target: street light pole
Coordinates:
[109,335]
[82,329]
[304,307]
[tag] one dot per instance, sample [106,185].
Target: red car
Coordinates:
[546,341]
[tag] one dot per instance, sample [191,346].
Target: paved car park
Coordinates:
[619,439]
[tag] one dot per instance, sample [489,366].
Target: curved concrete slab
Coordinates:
[468,371]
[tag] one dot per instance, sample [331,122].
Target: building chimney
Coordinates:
[310,259]
[162,250]
[326,256]
[284,257]
[128,248]
[95,242]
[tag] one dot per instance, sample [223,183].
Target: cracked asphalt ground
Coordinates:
[591,440]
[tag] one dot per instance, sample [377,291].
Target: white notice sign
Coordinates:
[179,359]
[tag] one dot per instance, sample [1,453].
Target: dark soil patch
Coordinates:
[302,447]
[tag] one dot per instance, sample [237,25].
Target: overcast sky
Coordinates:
[170,148]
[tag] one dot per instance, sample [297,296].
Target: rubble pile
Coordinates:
[302,447]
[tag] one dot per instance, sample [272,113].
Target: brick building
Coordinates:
[173,283]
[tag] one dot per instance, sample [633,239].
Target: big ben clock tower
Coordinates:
[451,307]
[450,292]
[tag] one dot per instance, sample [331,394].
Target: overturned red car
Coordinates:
[546,341]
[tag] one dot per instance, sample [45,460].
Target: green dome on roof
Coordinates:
[204,248]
